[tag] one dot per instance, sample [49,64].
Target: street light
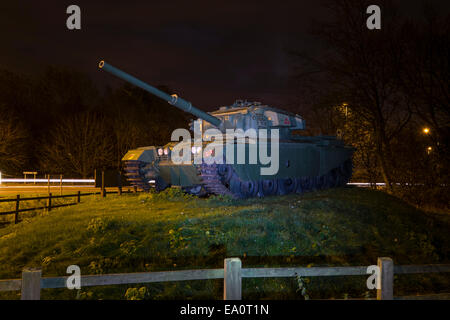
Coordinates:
[345,105]
[426,130]
[429,150]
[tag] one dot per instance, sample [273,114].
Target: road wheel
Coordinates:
[249,188]
[269,187]
[286,186]
[225,172]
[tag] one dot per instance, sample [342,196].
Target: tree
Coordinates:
[425,75]
[71,129]
[394,81]
[13,144]
[361,66]
[138,119]
[61,91]
[78,145]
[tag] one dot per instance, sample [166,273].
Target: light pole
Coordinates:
[346,110]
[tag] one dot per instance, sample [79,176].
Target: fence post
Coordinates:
[60,184]
[119,191]
[103,184]
[31,284]
[48,183]
[232,289]
[49,202]
[386,281]
[16,215]
[134,189]
[78,196]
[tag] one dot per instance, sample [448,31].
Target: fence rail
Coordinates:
[49,199]
[232,273]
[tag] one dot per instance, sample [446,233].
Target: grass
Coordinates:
[174,231]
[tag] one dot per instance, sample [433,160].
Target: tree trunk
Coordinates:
[385,172]
[385,160]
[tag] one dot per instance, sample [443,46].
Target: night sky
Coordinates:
[209,52]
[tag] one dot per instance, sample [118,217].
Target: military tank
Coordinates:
[305,163]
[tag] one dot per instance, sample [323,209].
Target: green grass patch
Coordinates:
[174,231]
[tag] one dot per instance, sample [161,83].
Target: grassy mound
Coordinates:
[173,231]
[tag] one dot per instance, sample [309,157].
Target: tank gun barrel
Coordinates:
[171,99]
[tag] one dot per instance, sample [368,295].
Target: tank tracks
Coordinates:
[221,179]
[213,182]
[133,171]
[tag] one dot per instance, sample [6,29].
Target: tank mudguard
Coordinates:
[144,154]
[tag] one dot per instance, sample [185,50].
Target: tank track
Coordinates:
[212,181]
[135,176]
[221,179]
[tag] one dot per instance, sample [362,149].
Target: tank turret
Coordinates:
[247,115]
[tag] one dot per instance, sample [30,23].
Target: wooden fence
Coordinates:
[232,273]
[49,198]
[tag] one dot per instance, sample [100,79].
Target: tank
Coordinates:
[304,163]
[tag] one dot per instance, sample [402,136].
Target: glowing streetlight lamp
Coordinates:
[345,105]
[426,130]
[429,149]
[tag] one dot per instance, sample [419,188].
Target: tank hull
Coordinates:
[303,165]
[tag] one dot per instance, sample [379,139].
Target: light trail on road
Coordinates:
[16,180]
